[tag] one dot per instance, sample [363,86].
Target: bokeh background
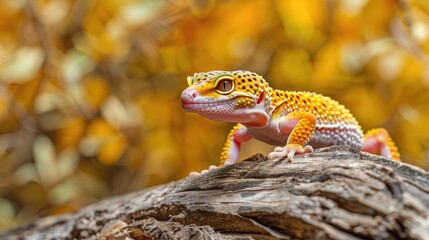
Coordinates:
[90,90]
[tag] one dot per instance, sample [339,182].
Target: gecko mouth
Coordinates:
[201,105]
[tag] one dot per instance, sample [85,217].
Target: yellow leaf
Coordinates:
[70,133]
[110,152]
[23,65]
[100,128]
[111,143]
[96,91]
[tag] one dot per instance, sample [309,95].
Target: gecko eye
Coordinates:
[225,86]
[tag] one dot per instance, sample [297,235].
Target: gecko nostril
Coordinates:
[189,95]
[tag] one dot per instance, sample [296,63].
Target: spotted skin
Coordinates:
[297,122]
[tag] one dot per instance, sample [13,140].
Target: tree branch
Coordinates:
[333,193]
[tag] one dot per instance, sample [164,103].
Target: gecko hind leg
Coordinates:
[378,141]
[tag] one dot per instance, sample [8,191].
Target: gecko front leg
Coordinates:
[231,149]
[300,126]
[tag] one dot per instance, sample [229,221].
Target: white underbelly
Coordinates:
[323,136]
[269,134]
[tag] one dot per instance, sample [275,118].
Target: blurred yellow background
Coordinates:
[90,90]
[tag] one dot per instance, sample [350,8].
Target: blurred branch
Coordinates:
[78,12]
[401,31]
[24,118]
[144,41]
[40,29]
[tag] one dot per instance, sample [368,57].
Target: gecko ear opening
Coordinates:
[260,98]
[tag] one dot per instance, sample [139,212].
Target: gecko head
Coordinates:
[228,96]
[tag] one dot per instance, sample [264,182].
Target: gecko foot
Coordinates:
[288,151]
[192,174]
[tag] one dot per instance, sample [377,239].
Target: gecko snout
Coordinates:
[188,96]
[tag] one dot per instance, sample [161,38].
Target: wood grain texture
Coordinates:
[333,193]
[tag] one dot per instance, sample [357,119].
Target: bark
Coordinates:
[333,193]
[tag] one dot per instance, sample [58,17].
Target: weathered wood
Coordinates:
[333,193]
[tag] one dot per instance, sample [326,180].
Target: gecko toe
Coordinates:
[288,152]
[212,167]
[193,174]
[276,155]
[290,155]
[278,149]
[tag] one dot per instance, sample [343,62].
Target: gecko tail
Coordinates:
[378,141]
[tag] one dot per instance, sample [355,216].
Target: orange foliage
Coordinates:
[89,90]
